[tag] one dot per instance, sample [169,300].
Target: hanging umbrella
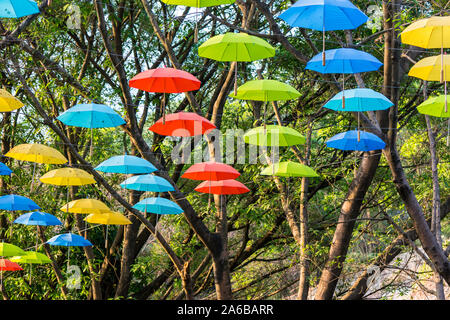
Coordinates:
[7,265]
[165,80]
[36,153]
[222,187]
[10,250]
[236,47]
[4,170]
[17,8]
[69,240]
[13,202]
[429,69]
[85,206]
[289,169]
[158,206]
[436,107]
[211,171]
[108,218]
[324,15]
[274,135]
[126,164]
[359,100]
[182,124]
[38,218]
[32,258]
[91,116]
[8,102]
[147,182]
[349,141]
[344,61]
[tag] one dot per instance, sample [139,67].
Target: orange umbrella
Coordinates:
[222,187]
[182,124]
[212,171]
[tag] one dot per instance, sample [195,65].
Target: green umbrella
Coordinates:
[31,258]
[9,250]
[289,169]
[274,135]
[266,90]
[435,106]
[236,47]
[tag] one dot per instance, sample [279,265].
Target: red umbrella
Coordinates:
[6,265]
[212,171]
[222,187]
[165,80]
[182,124]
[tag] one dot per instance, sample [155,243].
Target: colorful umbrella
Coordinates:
[38,218]
[324,15]
[182,124]
[436,107]
[345,61]
[32,258]
[108,218]
[158,206]
[165,80]
[359,100]
[222,187]
[4,170]
[147,182]
[85,206]
[126,164]
[236,47]
[211,171]
[17,8]
[92,116]
[10,250]
[7,265]
[69,240]
[274,135]
[8,102]
[36,153]
[289,169]
[13,202]
[349,141]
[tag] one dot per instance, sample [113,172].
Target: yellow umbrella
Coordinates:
[108,218]
[37,153]
[85,206]
[8,102]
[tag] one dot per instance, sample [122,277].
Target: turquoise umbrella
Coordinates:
[127,165]
[17,8]
[158,206]
[147,182]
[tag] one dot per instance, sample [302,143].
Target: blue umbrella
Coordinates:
[13,202]
[349,141]
[17,8]
[158,206]
[324,15]
[126,164]
[38,218]
[147,182]
[91,115]
[69,240]
[4,170]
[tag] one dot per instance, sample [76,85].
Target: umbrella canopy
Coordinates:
[429,69]
[266,90]
[67,177]
[198,3]
[13,202]
[147,182]
[324,15]
[32,257]
[222,187]
[38,218]
[429,33]
[85,206]
[165,80]
[37,153]
[69,240]
[349,141]
[212,171]
[126,164]
[91,115]
[108,218]
[344,60]
[289,169]
[17,8]
[182,124]
[274,135]
[158,206]
[359,100]
[4,170]
[434,106]
[8,102]
[9,250]
[236,47]
[7,265]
